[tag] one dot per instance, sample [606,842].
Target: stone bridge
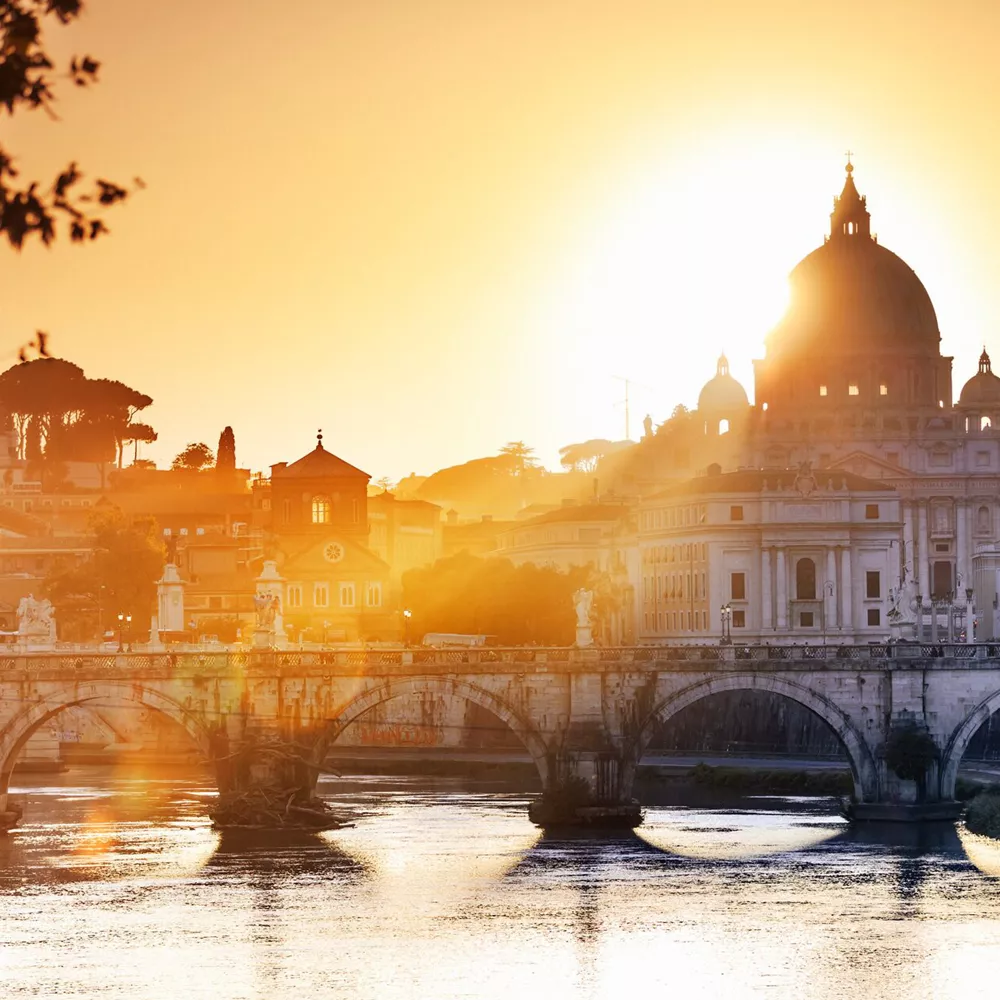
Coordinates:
[586,716]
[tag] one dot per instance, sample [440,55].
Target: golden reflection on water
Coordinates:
[443,893]
[734,834]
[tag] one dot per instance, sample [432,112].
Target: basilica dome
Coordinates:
[851,296]
[983,389]
[722,394]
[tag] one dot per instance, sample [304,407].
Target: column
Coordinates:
[961,550]
[846,617]
[830,600]
[923,546]
[782,591]
[766,611]
[909,567]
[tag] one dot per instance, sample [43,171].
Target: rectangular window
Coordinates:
[871,511]
[883,389]
[295,595]
[736,513]
[873,585]
[806,619]
[347,595]
[286,510]
[738,586]
[982,458]
[874,616]
[321,595]
[941,547]
[852,389]
[822,390]
[739,618]
[355,511]
[374,596]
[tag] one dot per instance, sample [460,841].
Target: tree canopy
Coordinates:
[583,457]
[194,456]
[27,77]
[226,453]
[119,576]
[472,596]
[60,415]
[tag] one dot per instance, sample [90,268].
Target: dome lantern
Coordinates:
[850,216]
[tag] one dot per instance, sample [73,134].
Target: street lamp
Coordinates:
[124,628]
[726,616]
[407,615]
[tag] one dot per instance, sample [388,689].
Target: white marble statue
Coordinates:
[583,600]
[36,618]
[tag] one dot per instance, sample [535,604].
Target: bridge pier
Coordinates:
[267,778]
[587,788]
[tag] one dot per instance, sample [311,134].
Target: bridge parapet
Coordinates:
[518,660]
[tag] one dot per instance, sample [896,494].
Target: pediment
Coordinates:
[332,554]
[861,463]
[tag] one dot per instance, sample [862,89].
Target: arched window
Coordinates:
[723,427]
[320,510]
[805,580]
[984,423]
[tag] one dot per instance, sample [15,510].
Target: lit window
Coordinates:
[763,406]
[295,595]
[320,510]
[739,619]
[822,390]
[321,595]
[883,389]
[374,595]
[347,595]
[852,389]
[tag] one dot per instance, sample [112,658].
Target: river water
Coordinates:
[115,886]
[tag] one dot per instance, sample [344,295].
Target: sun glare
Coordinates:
[689,256]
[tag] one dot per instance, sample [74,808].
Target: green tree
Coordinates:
[226,461]
[27,75]
[119,576]
[194,456]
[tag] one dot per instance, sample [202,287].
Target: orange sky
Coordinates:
[433,227]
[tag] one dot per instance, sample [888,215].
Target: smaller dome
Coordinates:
[723,394]
[983,389]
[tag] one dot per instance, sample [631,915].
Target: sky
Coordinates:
[430,227]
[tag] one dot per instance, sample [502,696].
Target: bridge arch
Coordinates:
[959,741]
[445,686]
[863,770]
[20,727]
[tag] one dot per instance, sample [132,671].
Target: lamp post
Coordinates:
[124,628]
[407,615]
[726,616]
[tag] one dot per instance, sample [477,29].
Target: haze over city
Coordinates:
[431,228]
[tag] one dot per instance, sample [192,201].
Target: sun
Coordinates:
[686,258]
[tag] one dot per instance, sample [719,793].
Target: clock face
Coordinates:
[333,552]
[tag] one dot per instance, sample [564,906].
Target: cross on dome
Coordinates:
[319,439]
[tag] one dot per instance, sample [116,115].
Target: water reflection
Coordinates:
[445,891]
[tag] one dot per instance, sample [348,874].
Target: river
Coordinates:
[116,886]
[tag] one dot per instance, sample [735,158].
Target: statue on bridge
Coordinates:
[36,620]
[583,601]
[267,607]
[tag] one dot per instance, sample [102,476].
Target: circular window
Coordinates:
[333,552]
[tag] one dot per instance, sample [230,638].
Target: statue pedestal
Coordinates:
[263,638]
[584,636]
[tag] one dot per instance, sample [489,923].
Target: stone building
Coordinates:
[798,557]
[335,587]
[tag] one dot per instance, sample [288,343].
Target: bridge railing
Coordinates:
[738,656]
